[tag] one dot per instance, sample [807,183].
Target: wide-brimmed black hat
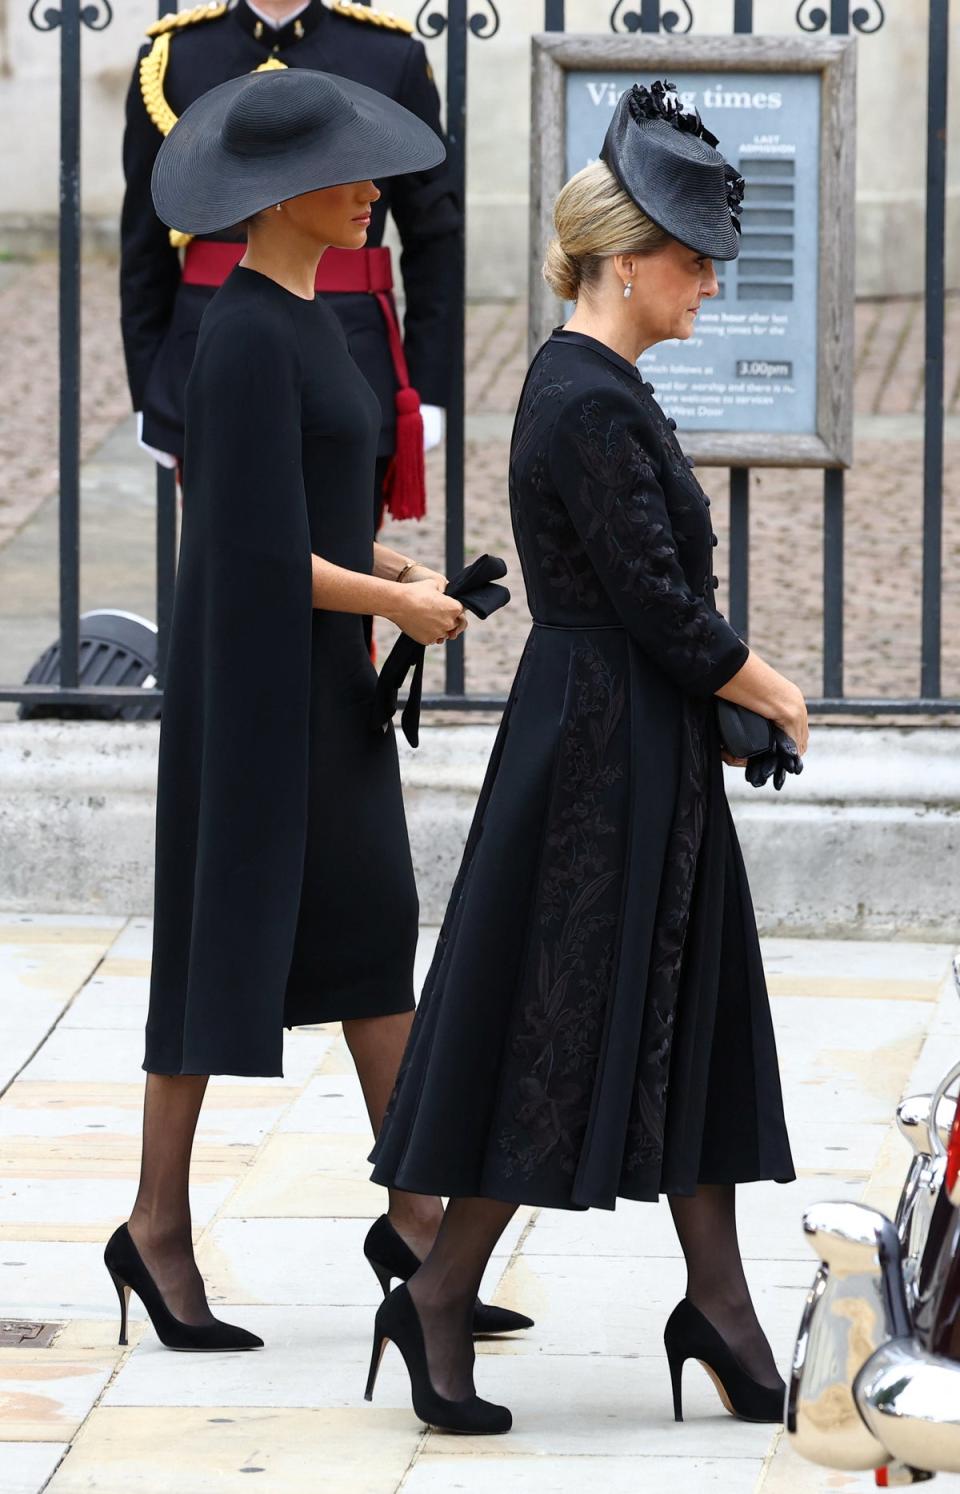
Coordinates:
[666,160]
[266,137]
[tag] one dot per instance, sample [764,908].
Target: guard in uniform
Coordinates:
[167,278]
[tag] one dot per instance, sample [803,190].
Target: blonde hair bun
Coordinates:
[561,272]
[594,219]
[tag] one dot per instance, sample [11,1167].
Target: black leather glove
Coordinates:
[780,759]
[476,587]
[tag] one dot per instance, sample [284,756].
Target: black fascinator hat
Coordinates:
[666,160]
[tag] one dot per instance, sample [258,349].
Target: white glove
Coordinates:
[432,416]
[162,458]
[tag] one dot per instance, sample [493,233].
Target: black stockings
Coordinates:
[160,1222]
[707,1228]
[445,1289]
[376,1046]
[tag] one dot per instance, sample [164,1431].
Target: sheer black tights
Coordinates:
[444,1288]
[706,1225]
[447,1284]
[160,1221]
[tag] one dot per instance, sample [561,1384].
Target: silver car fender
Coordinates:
[910,1401]
[855,1305]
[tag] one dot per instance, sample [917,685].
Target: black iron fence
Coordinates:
[460,24]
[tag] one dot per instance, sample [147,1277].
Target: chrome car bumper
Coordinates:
[863,1392]
[910,1402]
[855,1306]
[923,1182]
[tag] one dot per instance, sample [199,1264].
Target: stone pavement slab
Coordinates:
[46,1400]
[27,1466]
[559,1289]
[199,1451]
[64,1112]
[43,963]
[330,1103]
[768,1215]
[517,1474]
[281,1203]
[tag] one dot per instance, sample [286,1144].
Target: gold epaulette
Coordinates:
[384,18]
[153,67]
[153,70]
[178,18]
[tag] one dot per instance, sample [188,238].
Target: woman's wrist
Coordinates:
[785,698]
[415,571]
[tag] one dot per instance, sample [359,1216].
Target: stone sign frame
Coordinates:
[555,54]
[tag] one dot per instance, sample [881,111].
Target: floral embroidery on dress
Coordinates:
[645,1131]
[577,1019]
[575,917]
[616,481]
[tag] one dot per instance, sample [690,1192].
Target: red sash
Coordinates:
[356,271]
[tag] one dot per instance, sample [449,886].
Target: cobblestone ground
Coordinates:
[883,507]
[29,390]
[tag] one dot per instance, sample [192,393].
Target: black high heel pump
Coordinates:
[125,1264]
[398,1322]
[390,1256]
[689,1335]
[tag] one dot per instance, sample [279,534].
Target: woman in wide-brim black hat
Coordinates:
[596,1025]
[284,886]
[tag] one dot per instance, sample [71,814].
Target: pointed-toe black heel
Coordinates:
[689,1335]
[391,1257]
[398,1322]
[129,1274]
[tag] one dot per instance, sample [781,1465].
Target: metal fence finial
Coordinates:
[482,24]
[650,18]
[96,15]
[866,18]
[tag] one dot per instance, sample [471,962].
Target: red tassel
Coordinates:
[405,485]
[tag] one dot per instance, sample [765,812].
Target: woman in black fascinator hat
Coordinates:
[596,1025]
[284,886]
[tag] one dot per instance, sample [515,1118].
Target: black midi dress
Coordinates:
[284,885]
[596,1024]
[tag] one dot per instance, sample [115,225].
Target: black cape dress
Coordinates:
[596,1022]
[284,885]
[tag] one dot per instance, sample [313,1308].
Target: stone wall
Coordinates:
[890,140]
[865,843]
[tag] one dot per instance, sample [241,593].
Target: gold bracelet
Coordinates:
[411,565]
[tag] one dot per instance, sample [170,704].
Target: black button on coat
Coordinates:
[596,1023]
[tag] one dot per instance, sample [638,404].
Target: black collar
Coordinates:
[288,35]
[560,334]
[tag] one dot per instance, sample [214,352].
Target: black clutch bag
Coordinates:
[769,752]
[743,733]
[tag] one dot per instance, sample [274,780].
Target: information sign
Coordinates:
[766,376]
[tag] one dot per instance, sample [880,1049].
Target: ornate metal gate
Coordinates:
[461,24]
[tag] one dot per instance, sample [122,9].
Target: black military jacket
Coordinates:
[160,316]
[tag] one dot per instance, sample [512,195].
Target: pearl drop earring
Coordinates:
[628,290]
[279,206]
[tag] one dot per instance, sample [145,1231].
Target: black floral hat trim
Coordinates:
[661,101]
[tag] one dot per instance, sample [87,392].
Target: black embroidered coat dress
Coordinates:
[281,839]
[596,1023]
